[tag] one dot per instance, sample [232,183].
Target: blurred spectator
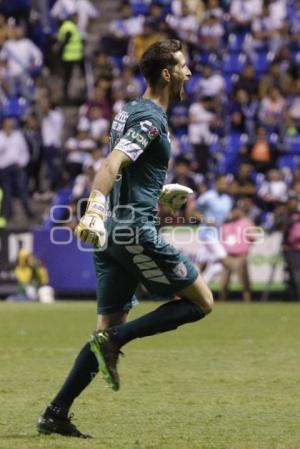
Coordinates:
[235,234]
[71,49]
[24,61]
[182,173]
[265,33]
[261,154]
[103,67]
[289,223]
[121,30]
[275,77]
[52,129]
[243,113]
[32,134]
[247,81]
[156,15]
[200,135]
[33,280]
[211,84]
[140,43]
[211,33]
[14,157]
[213,8]
[100,100]
[99,125]
[211,209]
[295,24]
[85,9]
[78,150]
[6,83]
[250,209]
[2,218]
[243,12]
[18,9]
[185,23]
[127,83]
[271,109]
[243,185]
[273,190]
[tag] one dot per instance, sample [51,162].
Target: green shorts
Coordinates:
[147,259]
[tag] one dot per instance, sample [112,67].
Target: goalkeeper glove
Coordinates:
[90,228]
[174,196]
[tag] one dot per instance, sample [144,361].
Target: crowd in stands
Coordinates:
[241,115]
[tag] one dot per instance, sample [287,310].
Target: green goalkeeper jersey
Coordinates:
[140,130]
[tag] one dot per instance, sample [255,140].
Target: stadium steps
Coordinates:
[109,10]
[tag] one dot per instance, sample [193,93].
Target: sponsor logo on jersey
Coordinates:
[137,137]
[132,149]
[180,270]
[153,132]
[119,121]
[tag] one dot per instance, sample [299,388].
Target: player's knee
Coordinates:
[207,302]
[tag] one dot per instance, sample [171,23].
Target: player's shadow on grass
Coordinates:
[19,437]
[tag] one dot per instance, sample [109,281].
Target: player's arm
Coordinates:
[133,143]
[107,174]
[91,227]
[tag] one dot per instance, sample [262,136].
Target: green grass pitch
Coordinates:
[231,381]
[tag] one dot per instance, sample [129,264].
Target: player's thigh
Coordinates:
[115,288]
[199,293]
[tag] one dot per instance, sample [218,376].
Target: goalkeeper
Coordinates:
[120,222]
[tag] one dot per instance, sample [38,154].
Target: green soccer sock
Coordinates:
[84,370]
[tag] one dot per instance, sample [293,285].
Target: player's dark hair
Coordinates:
[157,57]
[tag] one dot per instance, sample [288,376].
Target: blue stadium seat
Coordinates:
[191,85]
[14,107]
[236,42]
[290,161]
[61,199]
[228,164]
[261,61]
[234,62]
[140,7]
[230,79]
[234,141]
[291,144]
[117,61]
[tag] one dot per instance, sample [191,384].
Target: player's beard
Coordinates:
[177,91]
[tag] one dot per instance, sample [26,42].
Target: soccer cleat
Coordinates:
[49,423]
[107,354]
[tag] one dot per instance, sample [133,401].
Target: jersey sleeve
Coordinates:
[141,131]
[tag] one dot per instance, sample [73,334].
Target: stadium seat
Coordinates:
[261,61]
[58,207]
[291,144]
[117,61]
[14,107]
[234,141]
[290,161]
[236,42]
[140,7]
[234,62]
[230,80]
[191,85]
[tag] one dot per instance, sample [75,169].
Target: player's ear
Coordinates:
[166,75]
